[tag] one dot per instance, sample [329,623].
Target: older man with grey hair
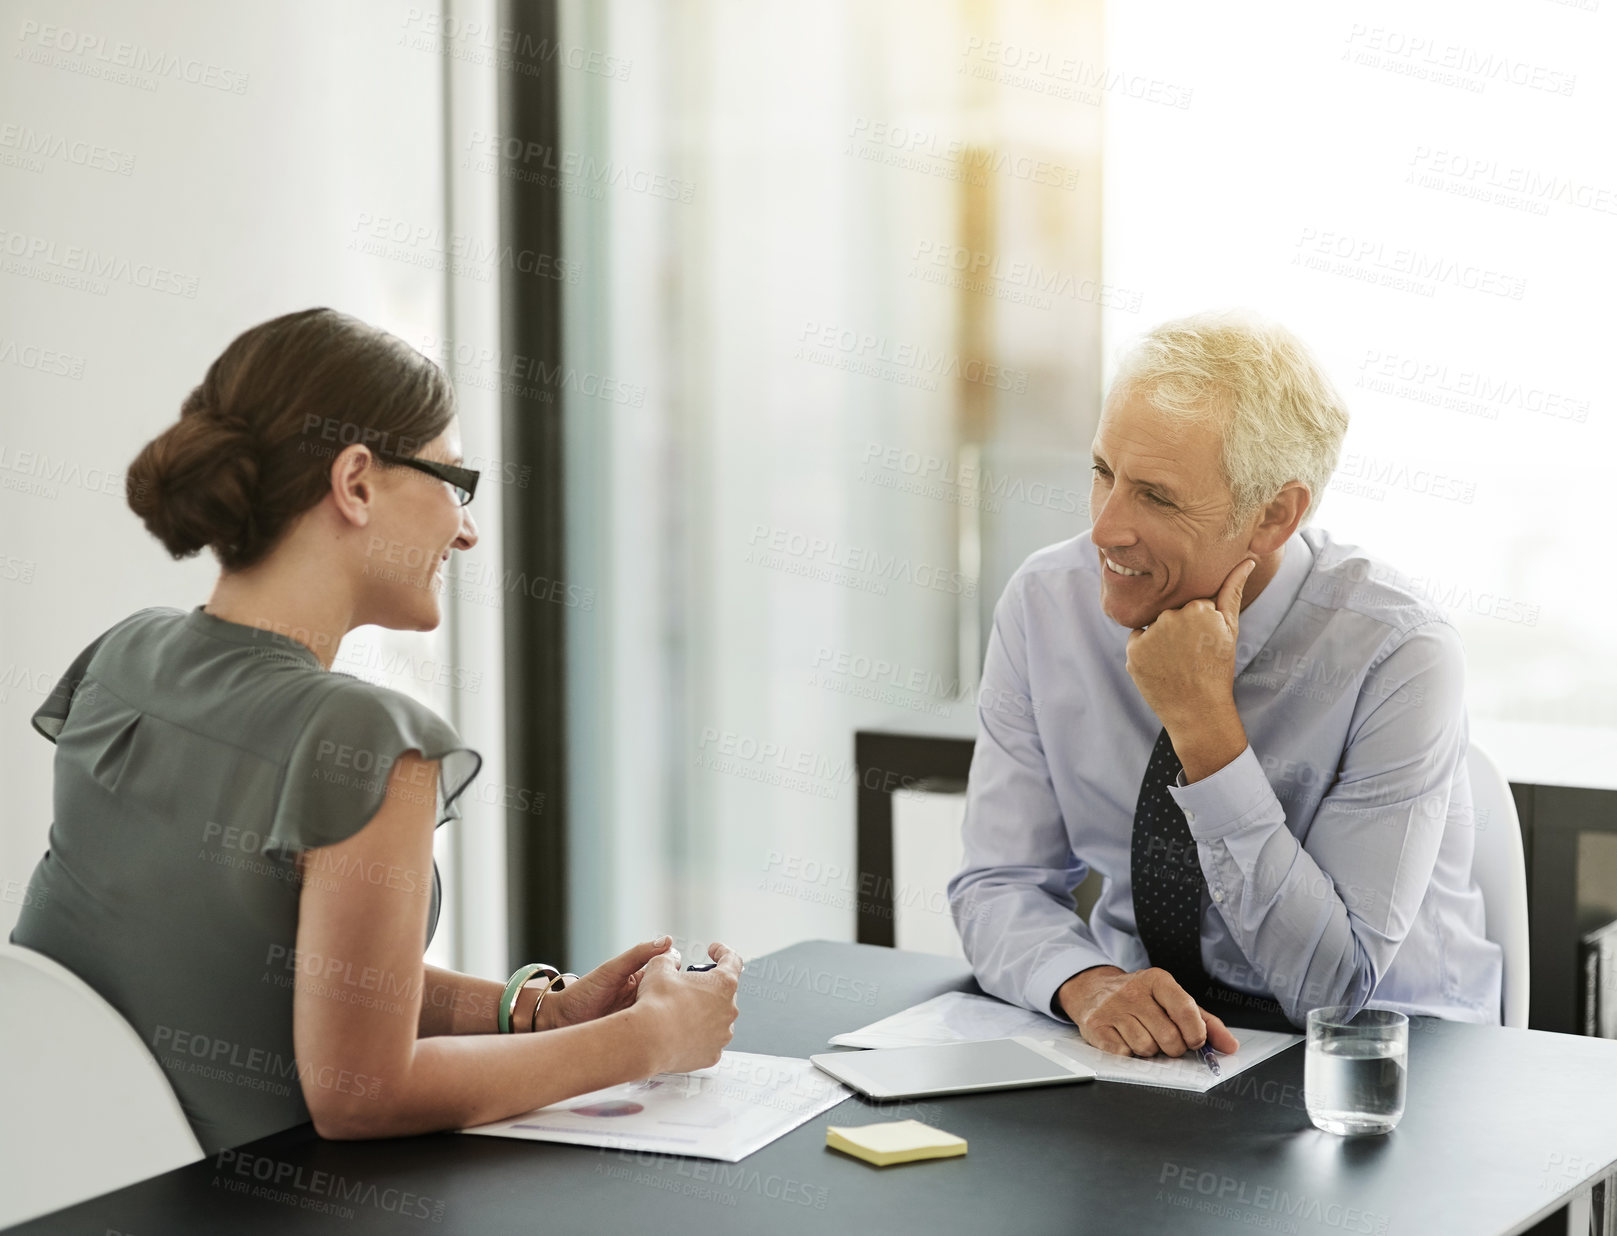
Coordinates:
[1250,730]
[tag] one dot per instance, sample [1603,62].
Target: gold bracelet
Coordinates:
[557,982]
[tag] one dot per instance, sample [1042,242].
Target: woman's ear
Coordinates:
[353,484]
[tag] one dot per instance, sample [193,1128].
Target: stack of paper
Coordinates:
[897,1141]
[956,1017]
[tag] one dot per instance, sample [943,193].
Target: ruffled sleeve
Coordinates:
[337,770]
[50,716]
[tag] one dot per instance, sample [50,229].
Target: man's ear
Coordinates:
[353,484]
[1281,517]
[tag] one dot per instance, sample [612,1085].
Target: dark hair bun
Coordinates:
[254,445]
[195,485]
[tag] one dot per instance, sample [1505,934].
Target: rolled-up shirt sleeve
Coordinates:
[1321,919]
[1012,901]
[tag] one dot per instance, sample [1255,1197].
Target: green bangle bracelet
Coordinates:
[508,1000]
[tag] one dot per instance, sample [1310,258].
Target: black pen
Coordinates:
[1205,1051]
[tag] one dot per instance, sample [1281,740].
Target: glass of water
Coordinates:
[1355,1069]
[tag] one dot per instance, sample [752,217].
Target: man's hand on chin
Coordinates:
[1183,665]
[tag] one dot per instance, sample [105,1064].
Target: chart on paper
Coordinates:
[741,1104]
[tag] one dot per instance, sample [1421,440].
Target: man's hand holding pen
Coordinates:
[1145,1013]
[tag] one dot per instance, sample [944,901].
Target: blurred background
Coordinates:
[780,334]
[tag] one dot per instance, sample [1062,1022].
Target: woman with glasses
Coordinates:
[241,856]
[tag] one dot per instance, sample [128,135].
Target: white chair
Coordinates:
[85,1107]
[1499,867]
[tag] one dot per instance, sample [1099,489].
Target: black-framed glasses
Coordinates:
[462,480]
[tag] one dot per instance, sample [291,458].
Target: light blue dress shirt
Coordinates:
[1337,847]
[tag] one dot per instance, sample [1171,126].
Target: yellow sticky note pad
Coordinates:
[897,1141]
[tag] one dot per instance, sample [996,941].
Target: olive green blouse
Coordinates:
[194,758]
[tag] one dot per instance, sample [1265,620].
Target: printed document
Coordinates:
[740,1105]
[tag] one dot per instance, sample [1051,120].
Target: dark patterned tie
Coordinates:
[1166,874]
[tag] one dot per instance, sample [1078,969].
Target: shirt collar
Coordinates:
[1262,618]
[240,633]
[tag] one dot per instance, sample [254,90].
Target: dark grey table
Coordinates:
[1501,1128]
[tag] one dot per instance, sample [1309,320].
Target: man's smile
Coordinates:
[1120,570]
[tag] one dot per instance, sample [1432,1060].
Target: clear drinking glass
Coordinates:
[1355,1070]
